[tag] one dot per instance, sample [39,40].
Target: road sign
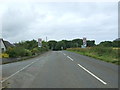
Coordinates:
[39,42]
[84,42]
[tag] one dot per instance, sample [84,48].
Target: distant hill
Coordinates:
[118,39]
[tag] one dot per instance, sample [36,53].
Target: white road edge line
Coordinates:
[18,71]
[70,58]
[92,74]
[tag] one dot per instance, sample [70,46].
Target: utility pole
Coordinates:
[46,38]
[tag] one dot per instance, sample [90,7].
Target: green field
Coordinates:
[107,54]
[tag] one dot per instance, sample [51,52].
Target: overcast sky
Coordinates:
[60,20]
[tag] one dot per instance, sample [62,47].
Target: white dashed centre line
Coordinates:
[89,72]
[92,74]
[64,53]
[70,58]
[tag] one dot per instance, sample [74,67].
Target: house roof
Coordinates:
[7,44]
[118,39]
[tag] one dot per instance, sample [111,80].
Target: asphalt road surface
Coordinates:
[60,69]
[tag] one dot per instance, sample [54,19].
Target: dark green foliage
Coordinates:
[68,44]
[116,43]
[45,46]
[90,43]
[18,52]
[77,42]
[64,44]
[106,44]
[52,44]
[60,45]
[27,44]
[27,48]
[110,44]
[34,51]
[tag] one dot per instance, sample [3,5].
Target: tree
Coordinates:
[52,44]
[90,43]
[106,44]
[68,44]
[116,43]
[60,45]
[77,42]
[27,44]
[45,46]
[18,52]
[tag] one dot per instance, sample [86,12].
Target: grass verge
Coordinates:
[106,54]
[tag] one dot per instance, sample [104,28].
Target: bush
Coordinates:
[18,52]
[28,52]
[4,55]
[34,51]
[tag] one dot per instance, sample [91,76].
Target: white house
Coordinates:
[4,45]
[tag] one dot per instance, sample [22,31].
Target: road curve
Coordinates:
[60,69]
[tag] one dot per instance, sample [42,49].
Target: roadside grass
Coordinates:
[107,54]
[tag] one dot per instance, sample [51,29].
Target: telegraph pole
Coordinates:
[46,38]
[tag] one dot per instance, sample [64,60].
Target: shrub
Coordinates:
[34,51]
[18,52]
[4,55]
[28,52]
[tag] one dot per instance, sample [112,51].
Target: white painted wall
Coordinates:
[2,46]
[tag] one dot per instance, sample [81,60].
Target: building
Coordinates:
[118,39]
[4,45]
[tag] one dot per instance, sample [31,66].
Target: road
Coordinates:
[60,69]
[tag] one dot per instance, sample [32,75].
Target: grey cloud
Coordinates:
[60,21]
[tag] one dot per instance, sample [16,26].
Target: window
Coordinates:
[2,49]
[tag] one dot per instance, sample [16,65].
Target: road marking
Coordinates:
[64,53]
[70,58]
[18,71]
[92,74]
[60,51]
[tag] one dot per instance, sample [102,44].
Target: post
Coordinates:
[46,38]
[39,42]
[84,42]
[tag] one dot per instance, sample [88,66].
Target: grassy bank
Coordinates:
[107,54]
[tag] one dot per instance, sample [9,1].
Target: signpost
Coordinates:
[84,43]
[39,42]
